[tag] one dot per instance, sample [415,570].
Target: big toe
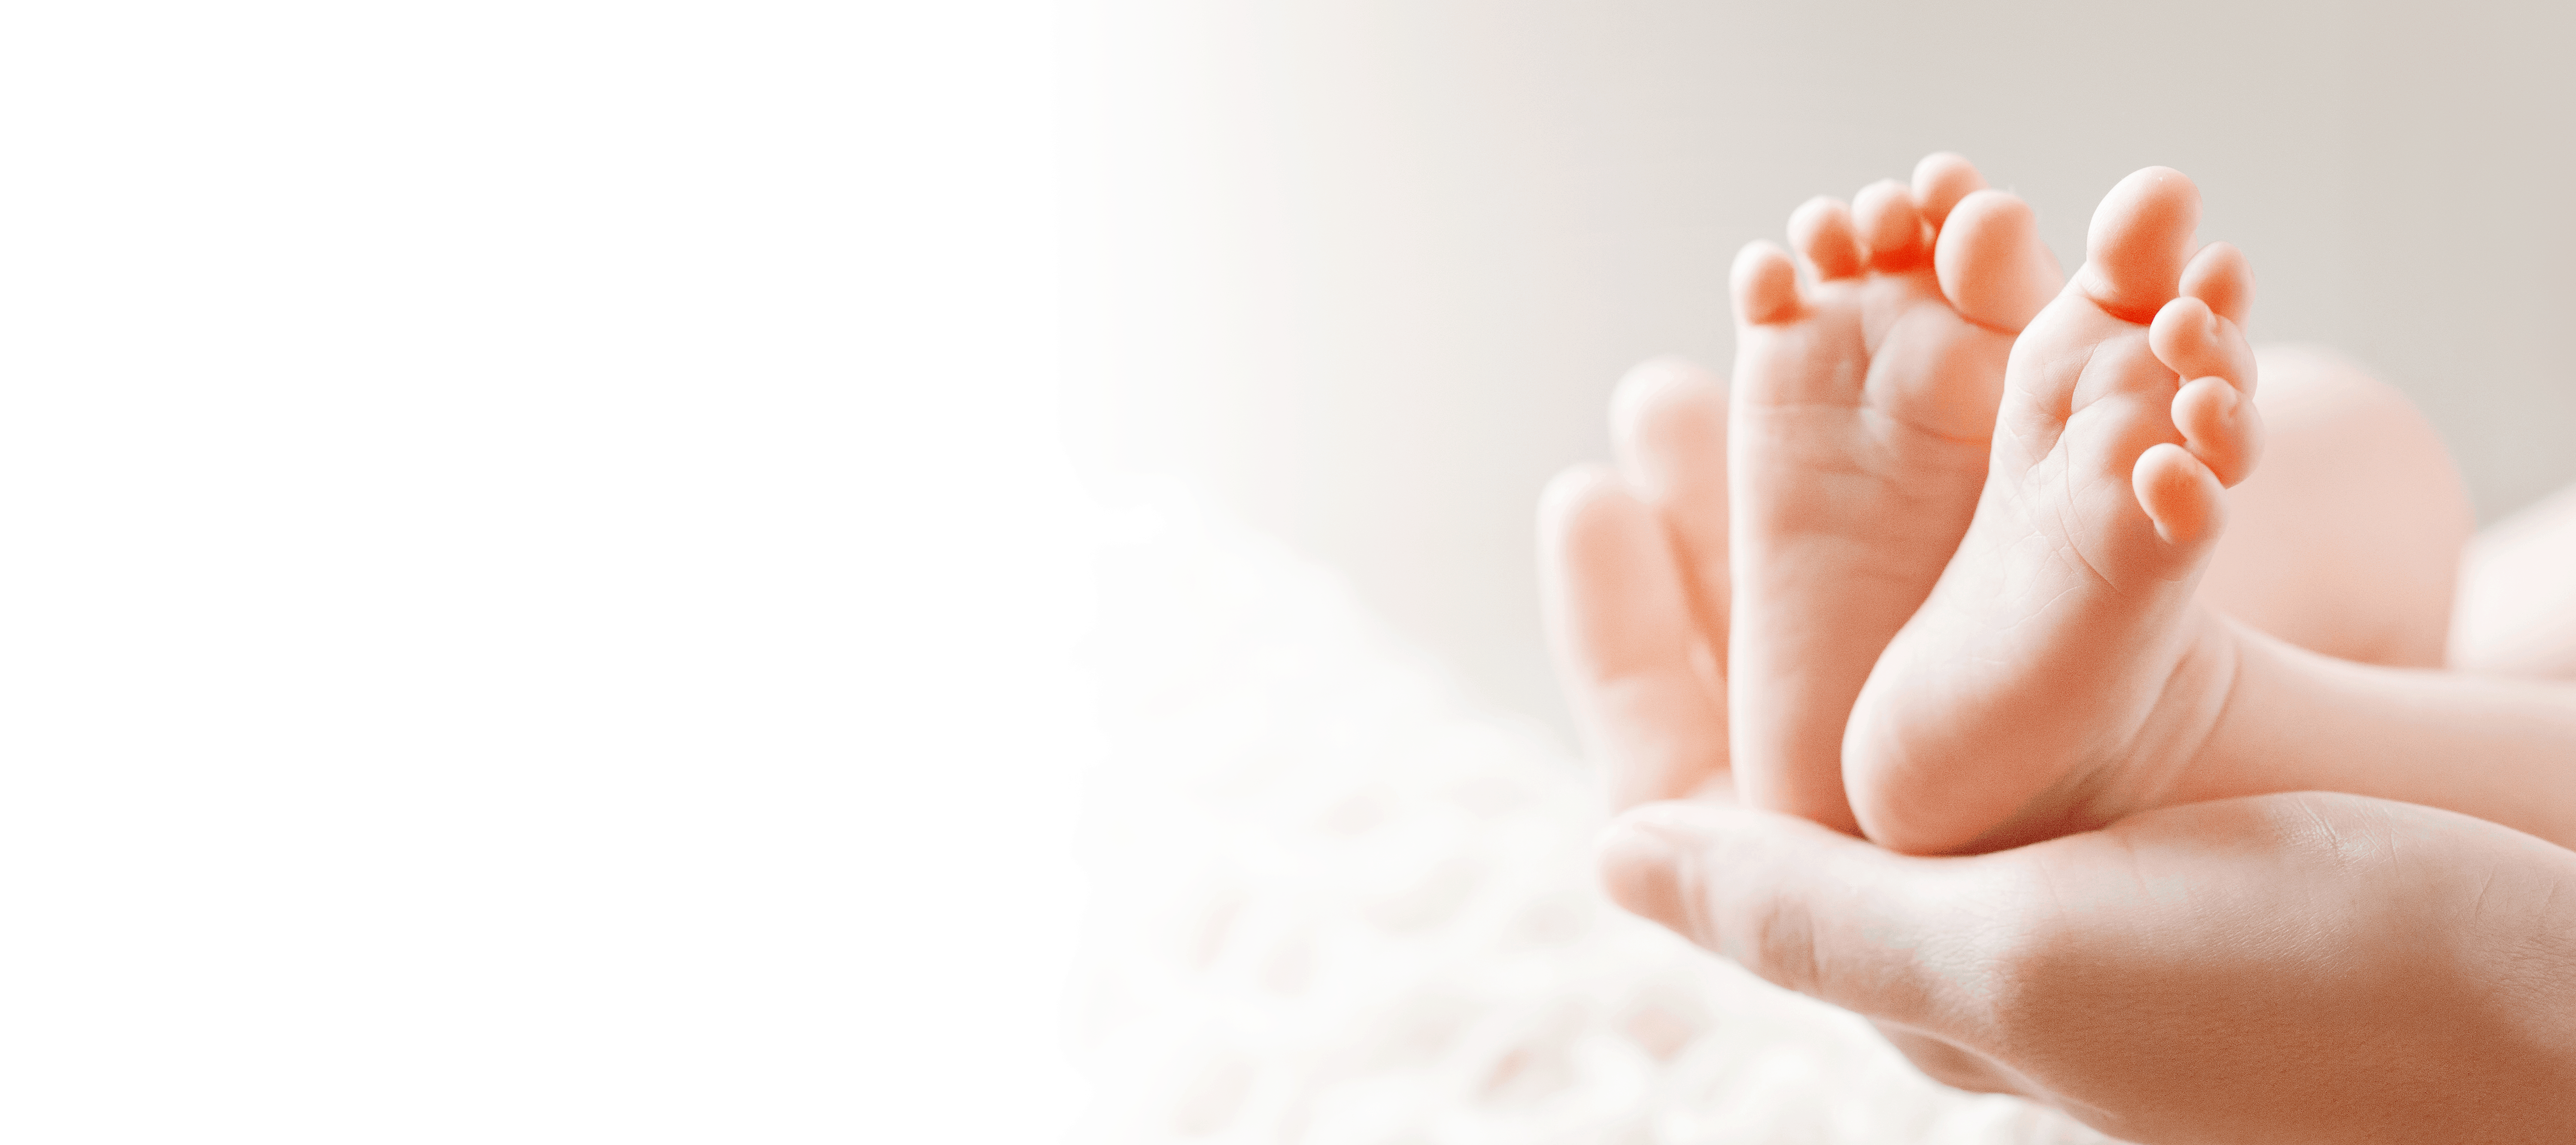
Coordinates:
[1992,266]
[2139,241]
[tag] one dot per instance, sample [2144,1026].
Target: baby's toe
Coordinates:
[2219,276]
[2194,342]
[2213,408]
[1940,181]
[1765,285]
[1890,228]
[1993,268]
[2221,427]
[2139,240]
[1821,231]
[2181,496]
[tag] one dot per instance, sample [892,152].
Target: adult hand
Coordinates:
[2278,968]
[1633,580]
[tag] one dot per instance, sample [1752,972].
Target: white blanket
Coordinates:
[1335,901]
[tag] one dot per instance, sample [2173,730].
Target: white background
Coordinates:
[539,587]
[536,575]
[1372,268]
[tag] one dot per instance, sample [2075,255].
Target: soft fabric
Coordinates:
[1337,901]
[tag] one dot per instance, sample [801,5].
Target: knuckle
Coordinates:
[1774,936]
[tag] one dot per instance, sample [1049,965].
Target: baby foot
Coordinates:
[1857,440]
[2060,676]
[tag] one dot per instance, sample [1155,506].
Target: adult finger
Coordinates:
[1619,619]
[1889,936]
[1668,430]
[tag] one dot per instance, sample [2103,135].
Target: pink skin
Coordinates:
[1858,437]
[2215,1038]
[2517,613]
[2062,675]
[2283,968]
[2049,649]
[1861,926]
[1634,587]
[1859,434]
[2358,494]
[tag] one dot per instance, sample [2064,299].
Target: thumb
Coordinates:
[1813,910]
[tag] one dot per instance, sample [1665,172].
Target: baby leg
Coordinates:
[2347,541]
[2517,603]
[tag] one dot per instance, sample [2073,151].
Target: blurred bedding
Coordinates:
[1336,901]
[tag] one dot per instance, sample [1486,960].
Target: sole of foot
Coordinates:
[2060,675]
[1858,435]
